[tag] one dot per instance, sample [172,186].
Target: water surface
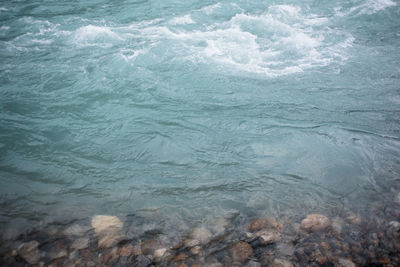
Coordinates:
[189,110]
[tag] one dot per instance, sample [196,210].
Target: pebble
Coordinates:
[395,225]
[141,261]
[149,246]
[57,255]
[315,222]
[80,243]
[354,218]
[203,235]
[273,223]
[253,264]
[196,250]
[281,263]
[257,224]
[105,223]
[241,251]
[76,230]
[346,263]
[181,257]
[191,242]
[108,240]
[269,236]
[29,252]
[107,229]
[126,250]
[159,253]
[337,224]
[397,198]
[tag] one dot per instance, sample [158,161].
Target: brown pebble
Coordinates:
[126,250]
[321,260]
[315,222]
[241,251]
[384,261]
[180,257]
[180,264]
[196,250]
[86,253]
[257,224]
[149,246]
[324,245]
[272,222]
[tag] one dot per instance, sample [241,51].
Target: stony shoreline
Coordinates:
[314,240]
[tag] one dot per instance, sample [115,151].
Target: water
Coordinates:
[182,111]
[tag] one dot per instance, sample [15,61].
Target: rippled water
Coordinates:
[188,110]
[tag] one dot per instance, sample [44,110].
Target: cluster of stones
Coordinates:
[315,241]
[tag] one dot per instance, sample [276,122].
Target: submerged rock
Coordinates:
[159,253]
[257,224]
[253,264]
[126,250]
[76,230]
[203,235]
[105,223]
[107,230]
[80,243]
[269,236]
[197,250]
[241,251]
[337,224]
[354,218]
[57,255]
[397,198]
[150,246]
[315,222]
[30,252]
[191,243]
[346,263]
[273,223]
[181,257]
[281,263]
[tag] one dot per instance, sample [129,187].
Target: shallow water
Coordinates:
[185,111]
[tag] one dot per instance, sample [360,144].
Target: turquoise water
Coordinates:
[189,110]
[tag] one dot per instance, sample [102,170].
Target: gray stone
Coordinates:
[253,264]
[397,198]
[346,263]
[395,225]
[142,261]
[57,255]
[29,252]
[80,243]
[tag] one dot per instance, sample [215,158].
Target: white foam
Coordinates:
[366,7]
[3,9]
[182,20]
[95,35]
[378,5]
[280,41]
[210,9]
[91,32]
